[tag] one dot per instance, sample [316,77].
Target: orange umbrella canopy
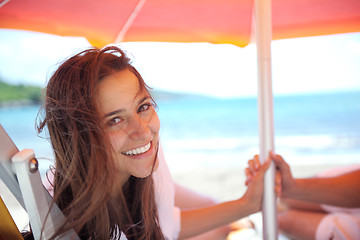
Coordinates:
[214,21]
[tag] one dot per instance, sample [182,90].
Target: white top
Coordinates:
[169,215]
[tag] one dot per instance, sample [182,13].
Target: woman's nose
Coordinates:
[138,127]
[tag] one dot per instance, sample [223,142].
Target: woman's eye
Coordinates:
[114,121]
[144,107]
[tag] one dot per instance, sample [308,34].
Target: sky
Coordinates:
[301,65]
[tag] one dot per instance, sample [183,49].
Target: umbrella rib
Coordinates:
[3,3]
[120,36]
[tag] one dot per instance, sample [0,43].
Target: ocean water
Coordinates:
[201,132]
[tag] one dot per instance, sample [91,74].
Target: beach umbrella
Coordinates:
[215,21]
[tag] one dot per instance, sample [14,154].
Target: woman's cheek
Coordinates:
[117,140]
[155,123]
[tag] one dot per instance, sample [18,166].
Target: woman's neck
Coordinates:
[118,184]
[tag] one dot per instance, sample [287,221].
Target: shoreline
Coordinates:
[19,103]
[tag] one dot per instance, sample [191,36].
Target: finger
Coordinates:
[278,190]
[277,158]
[257,163]
[266,165]
[247,173]
[279,161]
[248,176]
[278,186]
[251,166]
[263,168]
[278,178]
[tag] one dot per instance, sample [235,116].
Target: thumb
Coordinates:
[278,160]
[265,166]
[281,165]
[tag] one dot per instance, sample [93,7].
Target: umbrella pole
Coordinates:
[263,33]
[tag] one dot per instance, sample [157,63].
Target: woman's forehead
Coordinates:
[120,89]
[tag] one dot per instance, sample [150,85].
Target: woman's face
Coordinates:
[131,123]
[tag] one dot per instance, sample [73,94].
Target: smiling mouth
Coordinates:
[138,151]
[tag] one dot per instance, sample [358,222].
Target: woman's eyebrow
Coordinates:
[143,99]
[123,109]
[114,113]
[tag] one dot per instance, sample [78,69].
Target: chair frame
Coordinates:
[19,171]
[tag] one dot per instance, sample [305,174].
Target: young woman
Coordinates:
[104,131]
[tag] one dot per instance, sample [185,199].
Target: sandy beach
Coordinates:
[228,183]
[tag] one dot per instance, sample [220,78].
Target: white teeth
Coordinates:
[139,150]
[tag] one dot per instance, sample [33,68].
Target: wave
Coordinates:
[298,142]
[197,153]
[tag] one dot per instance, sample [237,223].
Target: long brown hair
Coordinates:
[84,172]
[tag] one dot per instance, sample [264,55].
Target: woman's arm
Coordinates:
[194,222]
[342,190]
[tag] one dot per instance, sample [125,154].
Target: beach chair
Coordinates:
[19,171]
[8,228]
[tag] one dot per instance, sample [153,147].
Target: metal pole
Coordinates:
[263,34]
